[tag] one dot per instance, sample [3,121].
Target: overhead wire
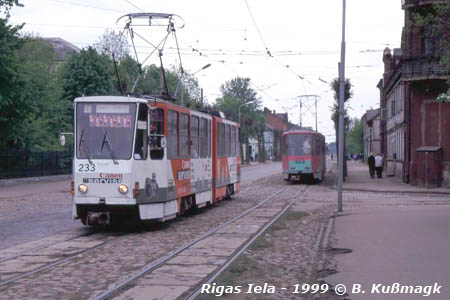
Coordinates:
[257,29]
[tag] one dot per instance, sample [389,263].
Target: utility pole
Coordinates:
[308,107]
[300,99]
[201,96]
[315,104]
[341,111]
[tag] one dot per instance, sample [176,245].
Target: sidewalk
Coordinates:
[358,179]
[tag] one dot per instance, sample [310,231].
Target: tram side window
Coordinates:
[233,141]
[238,142]
[172,134]
[227,141]
[156,133]
[195,137]
[141,145]
[209,138]
[221,137]
[283,145]
[203,138]
[184,136]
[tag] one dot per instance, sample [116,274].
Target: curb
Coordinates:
[397,192]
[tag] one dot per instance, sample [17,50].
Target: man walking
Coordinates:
[371,162]
[379,165]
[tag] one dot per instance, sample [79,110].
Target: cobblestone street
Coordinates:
[296,249]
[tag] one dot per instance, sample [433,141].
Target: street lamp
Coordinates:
[204,67]
[181,81]
[239,110]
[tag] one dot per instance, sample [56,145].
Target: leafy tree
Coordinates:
[112,43]
[6,5]
[87,73]
[355,141]
[38,128]
[236,93]
[348,93]
[434,20]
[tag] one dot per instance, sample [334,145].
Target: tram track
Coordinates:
[34,249]
[245,246]
[98,267]
[148,269]
[58,261]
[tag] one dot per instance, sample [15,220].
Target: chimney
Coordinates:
[387,59]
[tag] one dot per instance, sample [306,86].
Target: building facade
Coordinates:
[276,124]
[371,122]
[414,126]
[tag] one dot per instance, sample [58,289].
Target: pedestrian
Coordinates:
[371,162]
[379,165]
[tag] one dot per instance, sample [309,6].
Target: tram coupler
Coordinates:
[98,218]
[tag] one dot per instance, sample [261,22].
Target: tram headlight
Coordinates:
[83,188]
[123,189]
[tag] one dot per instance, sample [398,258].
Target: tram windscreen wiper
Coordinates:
[86,149]
[111,151]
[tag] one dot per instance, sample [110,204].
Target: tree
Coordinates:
[112,43]
[6,5]
[434,21]
[87,73]
[237,92]
[355,141]
[348,93]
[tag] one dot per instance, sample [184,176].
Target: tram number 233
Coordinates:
[86,168]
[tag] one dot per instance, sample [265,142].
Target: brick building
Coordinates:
[414,126]
[276,124]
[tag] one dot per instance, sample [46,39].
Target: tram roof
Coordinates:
[144,99]
[302,132]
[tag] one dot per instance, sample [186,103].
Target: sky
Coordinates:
[235,36]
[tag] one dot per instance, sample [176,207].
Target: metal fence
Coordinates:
[32,164]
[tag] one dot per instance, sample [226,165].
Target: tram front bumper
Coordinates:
[104,200]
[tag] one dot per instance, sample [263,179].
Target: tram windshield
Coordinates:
[105,130]
[299,144]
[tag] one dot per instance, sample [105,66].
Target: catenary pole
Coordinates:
[341,111]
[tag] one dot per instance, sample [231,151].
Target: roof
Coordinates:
[371,114]
[62,48]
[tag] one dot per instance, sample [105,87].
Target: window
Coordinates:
[172,134]
[204,138]
[156,133]
[184,136]
[195,150]
[233,141]
[221,140]
[141,145]
[209,138]
[299,144]
[238,142]
[104,130]
[227,141]
[393,108]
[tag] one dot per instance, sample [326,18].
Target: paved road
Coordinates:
[398,238]
[33,211]
[406,244]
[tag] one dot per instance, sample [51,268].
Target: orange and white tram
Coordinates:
[149,158]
